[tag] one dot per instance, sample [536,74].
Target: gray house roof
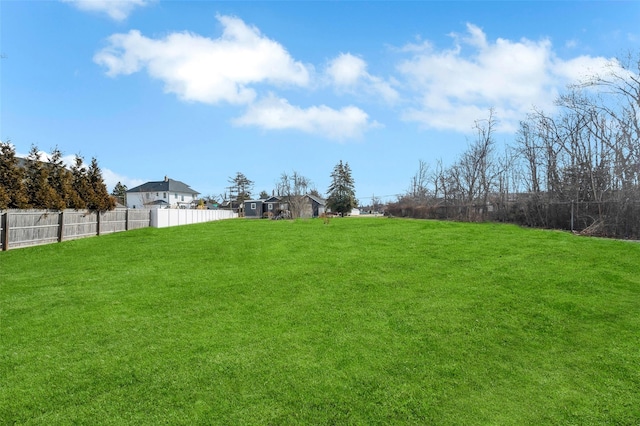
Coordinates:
[317,199]
[166,185]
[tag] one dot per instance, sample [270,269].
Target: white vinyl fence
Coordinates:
[162,218]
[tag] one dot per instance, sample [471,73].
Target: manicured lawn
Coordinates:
[362,321]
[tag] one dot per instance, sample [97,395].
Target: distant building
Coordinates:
[167,193]
[266,207]
[275,206]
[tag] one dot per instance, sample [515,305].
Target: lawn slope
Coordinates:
[361,321]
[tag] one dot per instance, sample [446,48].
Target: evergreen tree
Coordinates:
[240,187]
[4,198]
[120,192]
[14,195]
[61,180]
[101,201]
[81,183]
[315,193]
[41,194]
[341,193]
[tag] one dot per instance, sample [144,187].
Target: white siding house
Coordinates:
[167,193]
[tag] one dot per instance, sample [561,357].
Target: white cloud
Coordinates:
[452,90]
[349,74]
[111,178]
[273,113]
[201,69]
[571,44]
[581,68]
[347,70]
[117,10]
[419,46]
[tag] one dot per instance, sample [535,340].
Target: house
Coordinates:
[253,208]
[314,207]
[233,205]
[266,207]
[167,193]
[308,206]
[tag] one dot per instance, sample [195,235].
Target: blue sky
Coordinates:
[199,90]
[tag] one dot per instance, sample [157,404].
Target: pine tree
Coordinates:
[14,195]
[61,180]
[4,198]
[102,201]
[120,192]
[341,193]
[241,187]
[41,194]
[81,183]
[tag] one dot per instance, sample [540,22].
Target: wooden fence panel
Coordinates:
[138,218]
[25,228]
[79,224]
[31,227]
[113,221]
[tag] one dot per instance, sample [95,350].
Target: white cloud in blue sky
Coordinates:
[348,74]
[198,90]
[453,89]
[118,10]
[200,69]
[446,88]
[273,113]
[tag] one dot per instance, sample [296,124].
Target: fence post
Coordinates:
[97,222]
[61,226]
[4,225]
[126,220]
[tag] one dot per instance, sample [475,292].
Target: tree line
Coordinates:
[30,183]
[577,169]
[292,188]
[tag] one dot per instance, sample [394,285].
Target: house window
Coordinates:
[148,195]
[157,194]
[164,195]
[253,206]
[270,206]
[175,196]
[182,198]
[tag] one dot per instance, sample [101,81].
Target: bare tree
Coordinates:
[293,188]
[418,189]
[473,176]
[438,179]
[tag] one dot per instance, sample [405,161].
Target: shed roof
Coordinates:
[273,199]
[316,199]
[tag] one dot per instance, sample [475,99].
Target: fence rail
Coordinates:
[25,228]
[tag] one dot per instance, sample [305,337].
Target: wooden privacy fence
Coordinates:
[24,228]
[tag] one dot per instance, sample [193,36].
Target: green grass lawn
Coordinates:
[361,321]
